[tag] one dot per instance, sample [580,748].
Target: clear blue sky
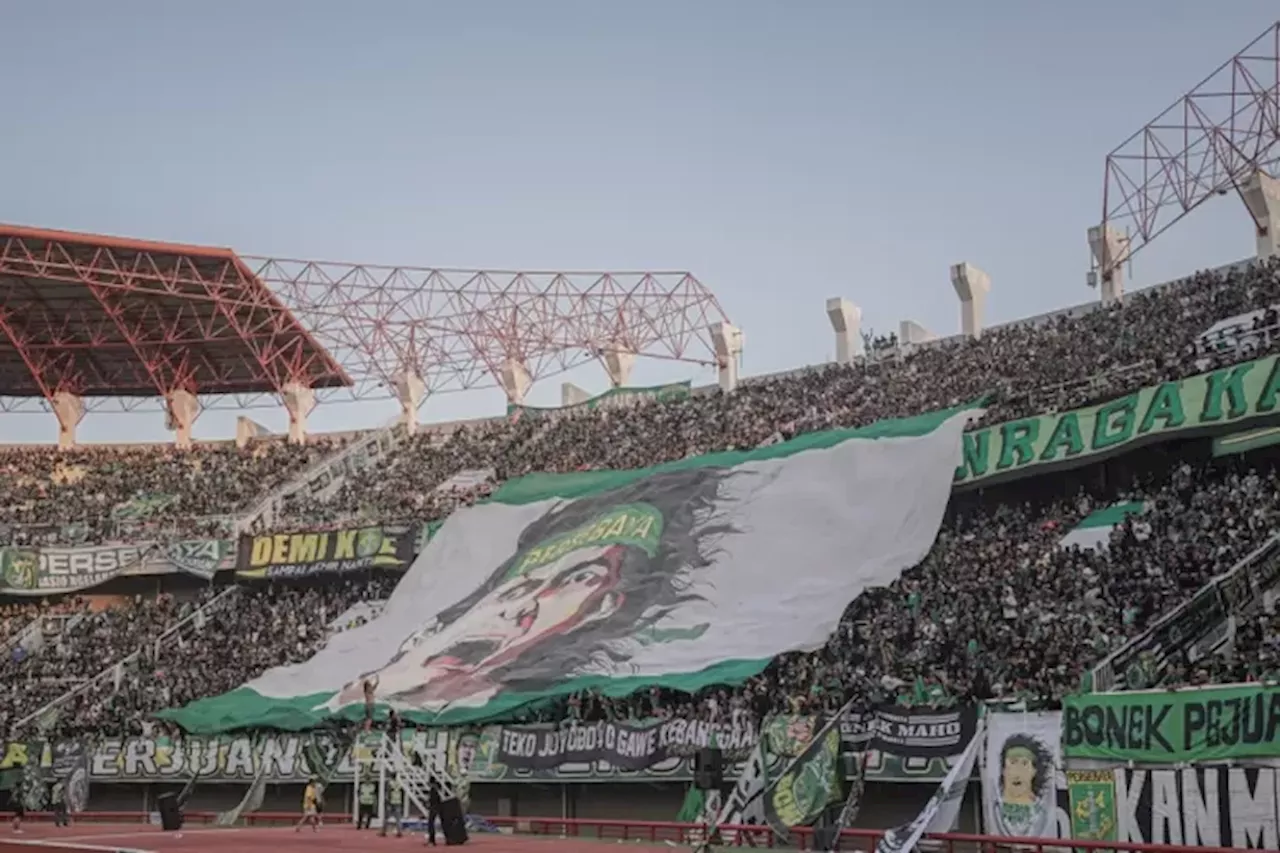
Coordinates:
[784,152]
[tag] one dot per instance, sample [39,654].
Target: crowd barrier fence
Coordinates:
[746,837]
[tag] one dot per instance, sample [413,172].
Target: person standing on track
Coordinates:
[395,807]
[310,806]
[19,811]
[58,798]
[433,809]
[367,797]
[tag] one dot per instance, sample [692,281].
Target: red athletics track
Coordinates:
[132,838]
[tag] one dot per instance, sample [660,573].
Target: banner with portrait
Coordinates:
[613,580]
[1024,789]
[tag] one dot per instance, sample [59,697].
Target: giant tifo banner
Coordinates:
[1221,401]
[1171,727]
[53,571]
[689,574]
[304,553]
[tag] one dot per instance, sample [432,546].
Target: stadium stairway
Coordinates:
[323,477]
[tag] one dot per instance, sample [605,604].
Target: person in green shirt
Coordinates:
[367,800]
[395,807]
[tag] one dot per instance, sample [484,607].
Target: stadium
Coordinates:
[1053,620]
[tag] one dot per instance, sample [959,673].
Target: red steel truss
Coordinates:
[1210,141]
[458,328]
[107,318]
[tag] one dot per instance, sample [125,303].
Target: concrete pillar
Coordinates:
[299,400]
[1262,196]
[515,381]
[972,286]
[247,430]
[728,340]
[911,332]
[846,320]
[181,410]
[410,391]
[69,410]
[572,395]
[1110,248]
[618,363]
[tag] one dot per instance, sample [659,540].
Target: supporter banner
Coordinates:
[233,758]
[1023,789]
[942,812]
[1213,724]
[615,398]
[201,557]
[1092,795]
[1218,402]
[745,803]
[1215,806]
[624,580]
[807,786]
[625,745]
[52,571]
[913,731]
[141,507]
[304,553]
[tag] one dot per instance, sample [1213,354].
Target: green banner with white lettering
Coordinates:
[1212,403]
[1214,724]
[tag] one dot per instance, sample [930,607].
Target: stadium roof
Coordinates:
[109,317]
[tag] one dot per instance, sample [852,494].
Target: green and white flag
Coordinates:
[1094,532]
[687,574]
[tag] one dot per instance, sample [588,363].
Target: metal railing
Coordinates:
[1190,623]
[109,673]
[325,475]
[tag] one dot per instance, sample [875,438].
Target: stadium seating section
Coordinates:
[997,609]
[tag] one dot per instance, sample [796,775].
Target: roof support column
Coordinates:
[69,410]
[410,391]
[1262,196]
[572,395]
[299,400]
[728,342]
[846,322]
[515,381]
[1110,248]
[181,410]
[972,286]
[618,363]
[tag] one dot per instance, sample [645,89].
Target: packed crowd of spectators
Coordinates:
[997,609]
[102,494]
[125,662]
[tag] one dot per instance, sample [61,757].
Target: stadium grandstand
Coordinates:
[1110,543]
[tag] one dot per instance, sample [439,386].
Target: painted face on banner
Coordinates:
[1026,806]
[1019,775]
[544,596]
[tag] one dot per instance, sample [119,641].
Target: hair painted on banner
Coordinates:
[694,512]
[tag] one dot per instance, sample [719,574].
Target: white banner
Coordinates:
[942,812]
[745,804]
[681,576]
[1024,788]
